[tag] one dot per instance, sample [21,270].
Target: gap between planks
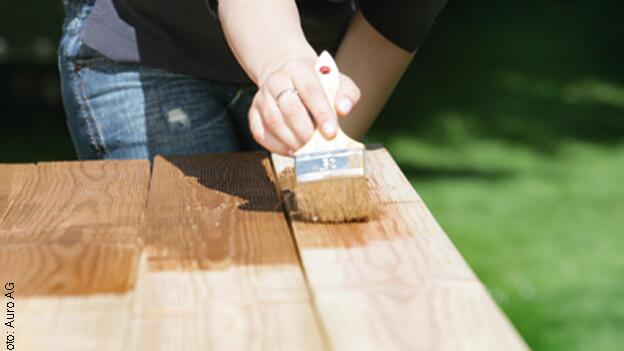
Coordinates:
[264,304]
[285,211]
[397,281]
[357,299]
[216,233]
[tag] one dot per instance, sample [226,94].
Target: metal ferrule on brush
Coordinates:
[330,164]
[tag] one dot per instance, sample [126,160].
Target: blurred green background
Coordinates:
[510,124]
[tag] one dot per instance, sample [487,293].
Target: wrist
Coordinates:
[273,62]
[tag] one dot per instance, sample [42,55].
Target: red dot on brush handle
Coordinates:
[325,69]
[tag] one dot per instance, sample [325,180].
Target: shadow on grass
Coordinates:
[524,74]
[422,172]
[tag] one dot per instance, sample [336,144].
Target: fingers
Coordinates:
[312,94]
[293,111]
[347,96]
[274,122]
[267,125]
[286,125]
[263,137]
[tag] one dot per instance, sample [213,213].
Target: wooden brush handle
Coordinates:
[327,72]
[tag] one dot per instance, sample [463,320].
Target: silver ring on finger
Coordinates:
[284,93]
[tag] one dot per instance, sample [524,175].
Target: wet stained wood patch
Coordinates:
[207,212]
[221,270]
[202,252]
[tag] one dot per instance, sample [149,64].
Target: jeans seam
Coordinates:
[88,114]
[98,130]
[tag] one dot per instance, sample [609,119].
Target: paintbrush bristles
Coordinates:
[333,200]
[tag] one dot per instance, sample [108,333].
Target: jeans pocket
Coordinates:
[82,56]
[85,55]
[72,48]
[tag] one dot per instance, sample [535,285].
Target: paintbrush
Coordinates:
[330,175]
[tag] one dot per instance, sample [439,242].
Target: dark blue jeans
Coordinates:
[128,111]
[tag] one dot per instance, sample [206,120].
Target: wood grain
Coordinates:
[436,315]
[69,241]
[68,269]
[73,225]
[64,200]
[11,181]
[207,260]
[220,269]
[396,282]
[89,322]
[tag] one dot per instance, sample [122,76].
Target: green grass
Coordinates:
[543,232]
[510,125]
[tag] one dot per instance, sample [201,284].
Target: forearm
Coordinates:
[376,65]
[263,34]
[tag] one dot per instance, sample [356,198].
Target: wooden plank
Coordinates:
[396,282]
[440,315]
[90,322]
[220,269]
[11,181]
[66,200]
[69,242]
[69,268]
[403,245]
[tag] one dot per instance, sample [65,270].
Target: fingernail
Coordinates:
[345,105]
[329,128]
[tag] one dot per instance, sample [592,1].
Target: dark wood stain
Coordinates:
[73,228]
[215,211]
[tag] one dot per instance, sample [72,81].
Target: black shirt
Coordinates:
[185,36]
